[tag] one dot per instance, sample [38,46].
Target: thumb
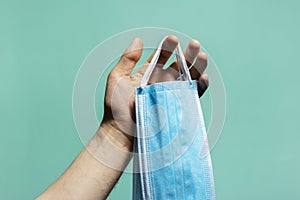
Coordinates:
[129,58]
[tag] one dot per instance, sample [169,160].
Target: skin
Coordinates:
[96,170]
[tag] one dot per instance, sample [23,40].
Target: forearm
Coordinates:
[95,171]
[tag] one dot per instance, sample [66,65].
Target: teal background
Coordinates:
[254,43]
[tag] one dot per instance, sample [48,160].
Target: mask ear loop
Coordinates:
[182,66]
[152,64]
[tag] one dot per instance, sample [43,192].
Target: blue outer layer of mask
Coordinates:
[171,150]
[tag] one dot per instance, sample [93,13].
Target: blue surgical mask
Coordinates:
[170,135]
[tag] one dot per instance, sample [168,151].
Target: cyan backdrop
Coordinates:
[254,43]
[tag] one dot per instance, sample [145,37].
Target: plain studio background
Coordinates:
[254,43]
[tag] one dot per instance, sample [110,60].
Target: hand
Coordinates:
[119,111]
[87,178]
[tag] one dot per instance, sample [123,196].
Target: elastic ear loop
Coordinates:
[182,65]
[152,64]
[180,59]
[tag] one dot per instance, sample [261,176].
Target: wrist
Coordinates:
[110,129]
[110,147]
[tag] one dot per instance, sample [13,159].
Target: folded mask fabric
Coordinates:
[167,162]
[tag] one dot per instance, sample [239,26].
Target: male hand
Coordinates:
[119,111]
[87,178]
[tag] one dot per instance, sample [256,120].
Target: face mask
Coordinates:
[170,140]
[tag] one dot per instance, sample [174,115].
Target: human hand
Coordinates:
[119,109]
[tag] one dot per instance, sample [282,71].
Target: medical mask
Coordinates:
[170,137]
